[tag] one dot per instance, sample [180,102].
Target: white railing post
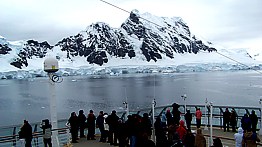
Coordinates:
[206,118]
[260,130]
[53,112]
[211,123]
[153,119]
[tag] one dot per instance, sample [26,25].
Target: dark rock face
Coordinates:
[30,49]
[4,49]
[96,42]
[100,41]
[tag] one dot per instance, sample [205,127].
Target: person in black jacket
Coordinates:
[226,119]
[176,113]
[254,121]
[100,124]
[189,140]
[188,118]
[161,140]
[112,121]
[146,124]
[91,123]
[26,133]
[233,120]
[73,122]
[82,123]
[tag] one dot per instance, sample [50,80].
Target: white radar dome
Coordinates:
[50,65]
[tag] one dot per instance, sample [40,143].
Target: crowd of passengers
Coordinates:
[136,131]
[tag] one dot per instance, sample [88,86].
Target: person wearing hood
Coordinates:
[217,143]
[239,137]
[200,140]
[181,130]
[250,139]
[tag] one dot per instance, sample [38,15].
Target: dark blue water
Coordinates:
[29,98]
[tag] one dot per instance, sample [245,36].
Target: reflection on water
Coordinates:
[29,98]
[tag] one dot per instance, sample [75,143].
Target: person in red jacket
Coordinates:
[181,130]
[198,117]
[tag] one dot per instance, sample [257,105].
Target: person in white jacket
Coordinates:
[238,137]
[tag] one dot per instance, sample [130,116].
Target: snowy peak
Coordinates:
[136,38]
[143,38]
[17,53]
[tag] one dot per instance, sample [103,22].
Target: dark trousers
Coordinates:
[226,126]
[234,128]
[28,142]
[106,132]
[103,136]
[47,141]
[74,134]
[91,132]
[254,127]
[112,138]
[198,123]
[82,131]
[188,124]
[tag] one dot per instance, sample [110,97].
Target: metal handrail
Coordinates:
[36,135]
[161,109]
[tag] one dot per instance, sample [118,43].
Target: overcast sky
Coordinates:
[228,23]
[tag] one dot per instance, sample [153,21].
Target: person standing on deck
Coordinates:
[176,113]
[146,124]
[233,120]
[250,139]
[161,140]
[198,117]
[226,119]
[254,121]
[112,121]
[188,118]
[200,140]
[26,133]
[169,118]
[91,123]
[181,130]
[82,121]
[73,122]
[245,122]
[100,124]
[239,137]
[47,132]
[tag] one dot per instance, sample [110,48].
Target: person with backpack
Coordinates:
[47,133]
[26,133]
[250,139]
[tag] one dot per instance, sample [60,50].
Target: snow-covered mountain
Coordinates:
[162,45]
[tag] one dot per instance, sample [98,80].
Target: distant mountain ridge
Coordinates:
[135,38]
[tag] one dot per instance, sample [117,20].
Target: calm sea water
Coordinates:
[29,98]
